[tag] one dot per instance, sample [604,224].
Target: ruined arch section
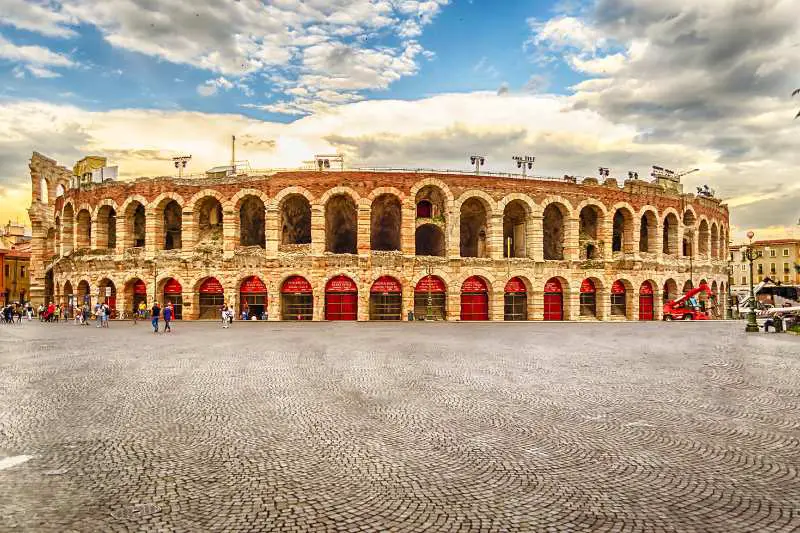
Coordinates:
[555,227]
[474,219]
[386,222]
[341,224]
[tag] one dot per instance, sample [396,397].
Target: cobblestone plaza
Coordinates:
[403,427]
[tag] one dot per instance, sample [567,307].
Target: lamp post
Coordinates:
[729,310]
[751,255]
[524,162]
[180,163]
[429,310]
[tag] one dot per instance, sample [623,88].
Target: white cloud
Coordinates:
[41,72]
[35,55]
[562,33]
[210,87]
[41,17]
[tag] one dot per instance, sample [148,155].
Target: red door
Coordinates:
[553,300]
[646,311]
[474,299]
[341,299]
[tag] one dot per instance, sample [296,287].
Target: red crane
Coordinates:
[680,309]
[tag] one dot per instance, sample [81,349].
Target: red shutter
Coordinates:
[341,284]
[211,286]
[296,285]
[139,287]
[553,286]
[474,284]
[587,286]
[618,287]
[515,285]
[430,283]
[253,285]
[385,284]
[173,287]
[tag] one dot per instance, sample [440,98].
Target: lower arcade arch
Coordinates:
[341,299]
[297,299]
[587,299]
[211,298]
[386,299]
[107,294]
[553,300]
[83,294]
[172,293]
[515,300]
[430,299]
[647,301]
[474,299]
[253,299]
[620,299]
[135,292]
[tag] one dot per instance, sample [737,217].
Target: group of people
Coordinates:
[14,312]
[155,314]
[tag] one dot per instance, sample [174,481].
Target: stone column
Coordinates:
[453,232]
[317,230]
[571,244]
[408,228]
[536,302]
[453,303]
[272,229]
[363,304]
[497,305]
[122,237]
[494,236]
[536,245]
[363,228]
[99,235]
[188,231]
[230,233]
[154,229]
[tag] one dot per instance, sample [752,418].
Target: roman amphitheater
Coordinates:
[374,244]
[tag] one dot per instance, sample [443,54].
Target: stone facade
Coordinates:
[365,225]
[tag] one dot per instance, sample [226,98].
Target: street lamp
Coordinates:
[751,255]
[478,161]
[523,162]
[729,310]
[604,172]
[429,310]
[180,163]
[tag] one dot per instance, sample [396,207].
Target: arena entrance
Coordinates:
[553,300]
[107,294]
[430,296]
[212,298]
[341,299]
[386,299]
[646,308]
[139,295]
[474,299]
[173,293]
[253,299]
[297,299]
[515,300]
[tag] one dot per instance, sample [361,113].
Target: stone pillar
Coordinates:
[571,244]
[637,228]
[572,303]
[363,304]
[605,235]
[273,299]
[604,303]
[453,303]
[495,236]
[536,245]
[536,301]
[497,305]
[98,236]
[272,229]
[154,230]
[453,232]
[317,230]
[319,304]
[122,237]
[408,228]
[632,304]
[230,232]
[188,231]
[363,228]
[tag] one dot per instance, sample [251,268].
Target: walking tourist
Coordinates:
[85,315]
[29,311]
[167,317]
[225,316]
[155,312]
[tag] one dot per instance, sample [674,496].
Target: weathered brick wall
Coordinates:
[230,263]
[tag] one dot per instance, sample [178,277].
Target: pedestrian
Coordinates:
[85,315]
[224,316]
[57,314]
[167,318]
[29,311]
[155,312]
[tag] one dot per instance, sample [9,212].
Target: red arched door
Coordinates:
[588,298]
[553,300]
[474,299]
[341,299]
[515,300]
[385,299]
[619,299]
[212,298]
[253,299]
[139,294]
[173,294]
[646,309]
[297,299]
[430,297]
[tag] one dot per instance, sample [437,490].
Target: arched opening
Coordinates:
[173,225]
[553,300]
[714,242]
[687,246]
[622,231]
[68,230]
[134,225]
[619,299]
[703,235]
[474,299]
[341,225]
[135,294]
[83,235]
[430,202]
[688,218]
[430,298]
[688,286]
[553,231]
[646,301]
[212,298]
[429,240]
[590,220]
[208,220]
[515,300]
[385,299]
[341,299]
[670,234]
[295,220]
[106,227]
[253,299]
[424,209]
[43,191]
[588,298]
[108,295]
[297,299]
[385,223]
[670,290]
[67,298]
[83,296]
[173,294]
[648,229]
[473,229]
[515,227]
[713,301]
[252,226]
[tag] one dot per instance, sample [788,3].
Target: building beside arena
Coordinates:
[373,245]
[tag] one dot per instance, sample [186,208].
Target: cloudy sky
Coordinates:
[416,83]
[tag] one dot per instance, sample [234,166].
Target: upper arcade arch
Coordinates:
[474,213]
[341,224]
